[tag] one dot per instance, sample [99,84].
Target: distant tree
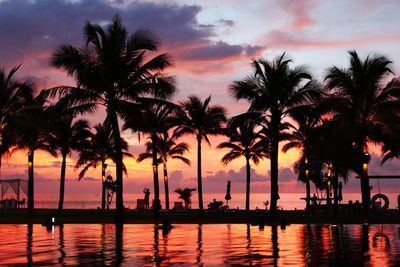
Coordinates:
[302,133]
[275,88]
[66,135]
[99,148]
[156,117]
[244,141]
[167,149]
[200,119]
[111,70]
[186,195]
[360,100]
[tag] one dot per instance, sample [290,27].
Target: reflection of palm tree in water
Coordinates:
[156,258]
[119,240]
[199,249]
[275,248]
[29,245]
[61,243]
[249,248]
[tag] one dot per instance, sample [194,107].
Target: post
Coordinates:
[307,185]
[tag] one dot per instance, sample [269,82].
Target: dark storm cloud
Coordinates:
[30,30]
[219,50]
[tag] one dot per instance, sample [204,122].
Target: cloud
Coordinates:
[31,30]
[299,11]
[300,41]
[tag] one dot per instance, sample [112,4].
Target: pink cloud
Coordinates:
[299,11]
[286,40]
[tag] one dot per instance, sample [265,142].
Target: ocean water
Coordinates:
[287,200]
[200,245]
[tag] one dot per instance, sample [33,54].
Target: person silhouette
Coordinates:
[146,192]
[314,200]
[228,193]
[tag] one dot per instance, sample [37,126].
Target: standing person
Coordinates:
[228,193]
[146,192]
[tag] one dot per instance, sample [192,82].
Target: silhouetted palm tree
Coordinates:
[13,97]
[361,100]
[302,137]
[186,195]
[66,135]
[200,119]
[275,88]
[244,140]
[100,148]
[111,70]
[156,117]
[32,126]
[167,149]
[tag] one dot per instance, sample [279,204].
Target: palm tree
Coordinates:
[360,100]
[167,148]
[98,150]
[275,88]
[32,127]
[157,117]
[110,70]
[186,195]
[13,97]
[244,141]
[200,119]
[302,136]
[66,135]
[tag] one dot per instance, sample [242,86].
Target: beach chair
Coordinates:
[21,203]
[140,204]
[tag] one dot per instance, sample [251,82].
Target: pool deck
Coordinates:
[255,217]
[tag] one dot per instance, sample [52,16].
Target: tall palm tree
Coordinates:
[13,97]
[157,117]
[360,99]
[111,70]
[186,195]
[167,148]
[200,119]
[32,127]
[275,88]
[100,148]
[66,135]
[244,141]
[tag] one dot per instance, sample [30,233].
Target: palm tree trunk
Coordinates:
[156,204]
[274,172]
[112,114]
[308,192]
[247,183]
[166,186]
[103,183]
[62,183]
[199,178]
[335,191]
[364,180]
[31,200]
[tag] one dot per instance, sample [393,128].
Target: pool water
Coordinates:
[200,245]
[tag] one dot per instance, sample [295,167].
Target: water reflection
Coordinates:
[29,245]
[61,244]
[199,248]
[189,245]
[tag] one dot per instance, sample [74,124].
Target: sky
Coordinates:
[212,44]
